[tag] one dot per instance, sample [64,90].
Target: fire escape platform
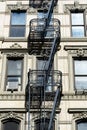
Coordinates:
[37,83]
[40,39]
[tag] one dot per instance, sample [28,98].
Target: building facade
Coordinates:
[15,62]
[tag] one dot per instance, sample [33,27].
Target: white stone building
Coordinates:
[15,62]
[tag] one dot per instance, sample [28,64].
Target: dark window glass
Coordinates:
[14,72]
[18,22]
[50,31]
[41,65]
[80,74]
[82,125]
[11,124]
[42,124]
[77,24]
[18,18]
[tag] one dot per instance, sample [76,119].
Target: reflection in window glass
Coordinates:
[18,18]
[11,124]
[82,126]
[41,64]
[41,15]
[77,24]
[18,22]
[81,82]
[43,123]
[77,19]
[77,31]
[80,67]
[14,72]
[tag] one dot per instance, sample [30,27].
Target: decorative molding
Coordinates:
[55,10]
[37,116]
[80,51]
[32,11]
[77,110]
[12,96]
[18,6]
[80,115]
[72,39]
[15,45]
[79,96]
[7,115]
[15,54]
[75,6]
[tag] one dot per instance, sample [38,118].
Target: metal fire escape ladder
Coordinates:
[49,14]
[50,62]
[58,91]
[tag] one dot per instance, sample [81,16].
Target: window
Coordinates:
[41,65]
[82,125]
[80,68]
[17,28]
[50,29]
[41,123]
[14,73]
[11,124]
[78,27]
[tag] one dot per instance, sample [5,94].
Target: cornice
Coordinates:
[73,97]
[3,110]
[76,6]
[12,39]
[46,110]
[71,39]
[75,47]
[63,39]
[79,50]
[76,110]
[12,96]
[18,6]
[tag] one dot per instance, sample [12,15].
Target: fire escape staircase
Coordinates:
[44,37]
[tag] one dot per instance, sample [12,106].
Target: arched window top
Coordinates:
[11,124]
[43,123]
[81,124]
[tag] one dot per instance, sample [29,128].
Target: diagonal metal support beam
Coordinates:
[51,57]
[56,99]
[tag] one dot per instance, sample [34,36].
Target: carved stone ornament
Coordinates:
[75,6]
[81,115]
[15,54]
[15,45]
[31,11]
[80,52]
[38,116]
[17,6]
[11,115]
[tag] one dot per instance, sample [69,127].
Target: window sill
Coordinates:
[14,39]
[81,92]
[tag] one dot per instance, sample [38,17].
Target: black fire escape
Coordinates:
[43,40]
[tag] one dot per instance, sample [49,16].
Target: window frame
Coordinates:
[38,121]
[11,120]
[51,79]
[78,75]
[23,26]
[19,88]
[76,25]
[78,51]
[80,121]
